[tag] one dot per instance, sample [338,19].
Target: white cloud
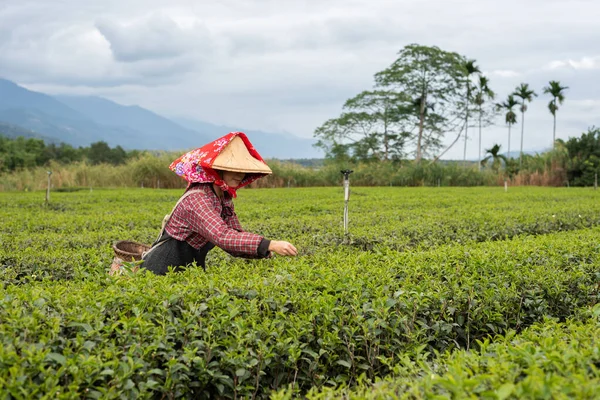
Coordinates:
[584,63]
[291,65]
[156,36]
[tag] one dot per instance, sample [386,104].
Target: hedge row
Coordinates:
[72,237]
[550,360]
[244,329]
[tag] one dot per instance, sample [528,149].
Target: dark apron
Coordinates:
[175,253]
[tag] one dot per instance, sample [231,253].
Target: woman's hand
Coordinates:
[283,248]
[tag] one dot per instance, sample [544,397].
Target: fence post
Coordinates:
[346,174]
[48,188]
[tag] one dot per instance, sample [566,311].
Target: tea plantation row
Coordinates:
[425,275]
[73,236]
[246,329]
[550,360]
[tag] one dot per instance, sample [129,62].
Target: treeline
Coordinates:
[575,162]
[21,152]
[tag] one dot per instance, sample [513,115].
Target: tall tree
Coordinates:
[510,117]
[372,126]
[558,97]
[495,156]
[469,69]
[526,94]
[436,78]
[482,93]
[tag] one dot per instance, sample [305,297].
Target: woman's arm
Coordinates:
[266,246]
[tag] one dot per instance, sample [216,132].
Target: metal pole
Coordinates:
[48,188]
[346,174]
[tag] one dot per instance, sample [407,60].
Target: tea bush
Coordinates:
[425,275]
[549,360]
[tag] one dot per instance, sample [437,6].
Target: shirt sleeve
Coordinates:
[234,223]
[203,217]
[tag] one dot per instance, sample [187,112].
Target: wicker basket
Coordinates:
[129,250]
[126,250]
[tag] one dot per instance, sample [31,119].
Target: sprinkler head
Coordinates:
[346,172]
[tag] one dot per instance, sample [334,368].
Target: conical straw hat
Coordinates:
[236,157]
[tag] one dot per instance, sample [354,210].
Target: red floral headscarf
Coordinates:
[196,165]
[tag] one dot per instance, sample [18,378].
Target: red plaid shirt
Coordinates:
[202,217]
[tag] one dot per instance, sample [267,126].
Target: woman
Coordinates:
[204,216]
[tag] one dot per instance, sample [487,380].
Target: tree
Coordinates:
[482,93]
[510,117]
[434,77]
[372,126]
[558,96]
[584,157]
[495,156]
[526,94]
[469,69]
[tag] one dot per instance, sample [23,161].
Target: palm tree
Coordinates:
[557,93]
[483,92]
[497,158]
[470,69]
[511,117]
[525,94]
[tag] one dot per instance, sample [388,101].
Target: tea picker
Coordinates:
[204,216]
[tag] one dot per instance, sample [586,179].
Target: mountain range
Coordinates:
[82,120]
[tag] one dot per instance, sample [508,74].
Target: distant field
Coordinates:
[425,274]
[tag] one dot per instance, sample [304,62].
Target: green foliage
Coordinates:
[584,157]
[549,360]
[418,97]
[373,126]
[494,155]
[557,91]
[101,153]
[26,153]
[425,273]
[435,80]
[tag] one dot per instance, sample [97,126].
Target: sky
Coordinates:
[288,66]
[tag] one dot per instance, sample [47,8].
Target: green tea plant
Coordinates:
[549,360]
[426,274]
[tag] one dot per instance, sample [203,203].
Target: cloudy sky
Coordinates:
[288,66]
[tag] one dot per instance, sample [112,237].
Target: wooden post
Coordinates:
[346,174]
[48,188]
[505,185]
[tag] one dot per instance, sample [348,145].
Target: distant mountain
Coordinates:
[15,97]
[82,120]
[49,117]
[156,132]
[14,131]
[269,145]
